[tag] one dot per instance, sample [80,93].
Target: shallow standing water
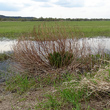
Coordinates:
[99,42]
[6,46]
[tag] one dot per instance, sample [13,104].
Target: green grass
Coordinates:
[15,29]
[69,94]
[20,84]
[89,28]
[64,98]
[4,56]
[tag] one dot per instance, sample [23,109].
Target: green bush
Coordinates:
[60,59]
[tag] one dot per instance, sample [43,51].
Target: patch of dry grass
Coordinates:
[98,86]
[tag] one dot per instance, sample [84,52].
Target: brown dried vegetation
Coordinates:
[34,53]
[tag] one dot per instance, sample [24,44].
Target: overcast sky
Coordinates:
[56,8]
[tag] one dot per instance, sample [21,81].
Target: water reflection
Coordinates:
[6,44]
[99,41]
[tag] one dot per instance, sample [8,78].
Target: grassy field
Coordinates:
[89,28]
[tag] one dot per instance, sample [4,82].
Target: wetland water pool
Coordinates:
[6,46]
[103,42]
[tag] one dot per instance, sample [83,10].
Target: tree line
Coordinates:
[9,18]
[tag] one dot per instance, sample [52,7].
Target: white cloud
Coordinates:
[95,3]
[41,0]
[56,8]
